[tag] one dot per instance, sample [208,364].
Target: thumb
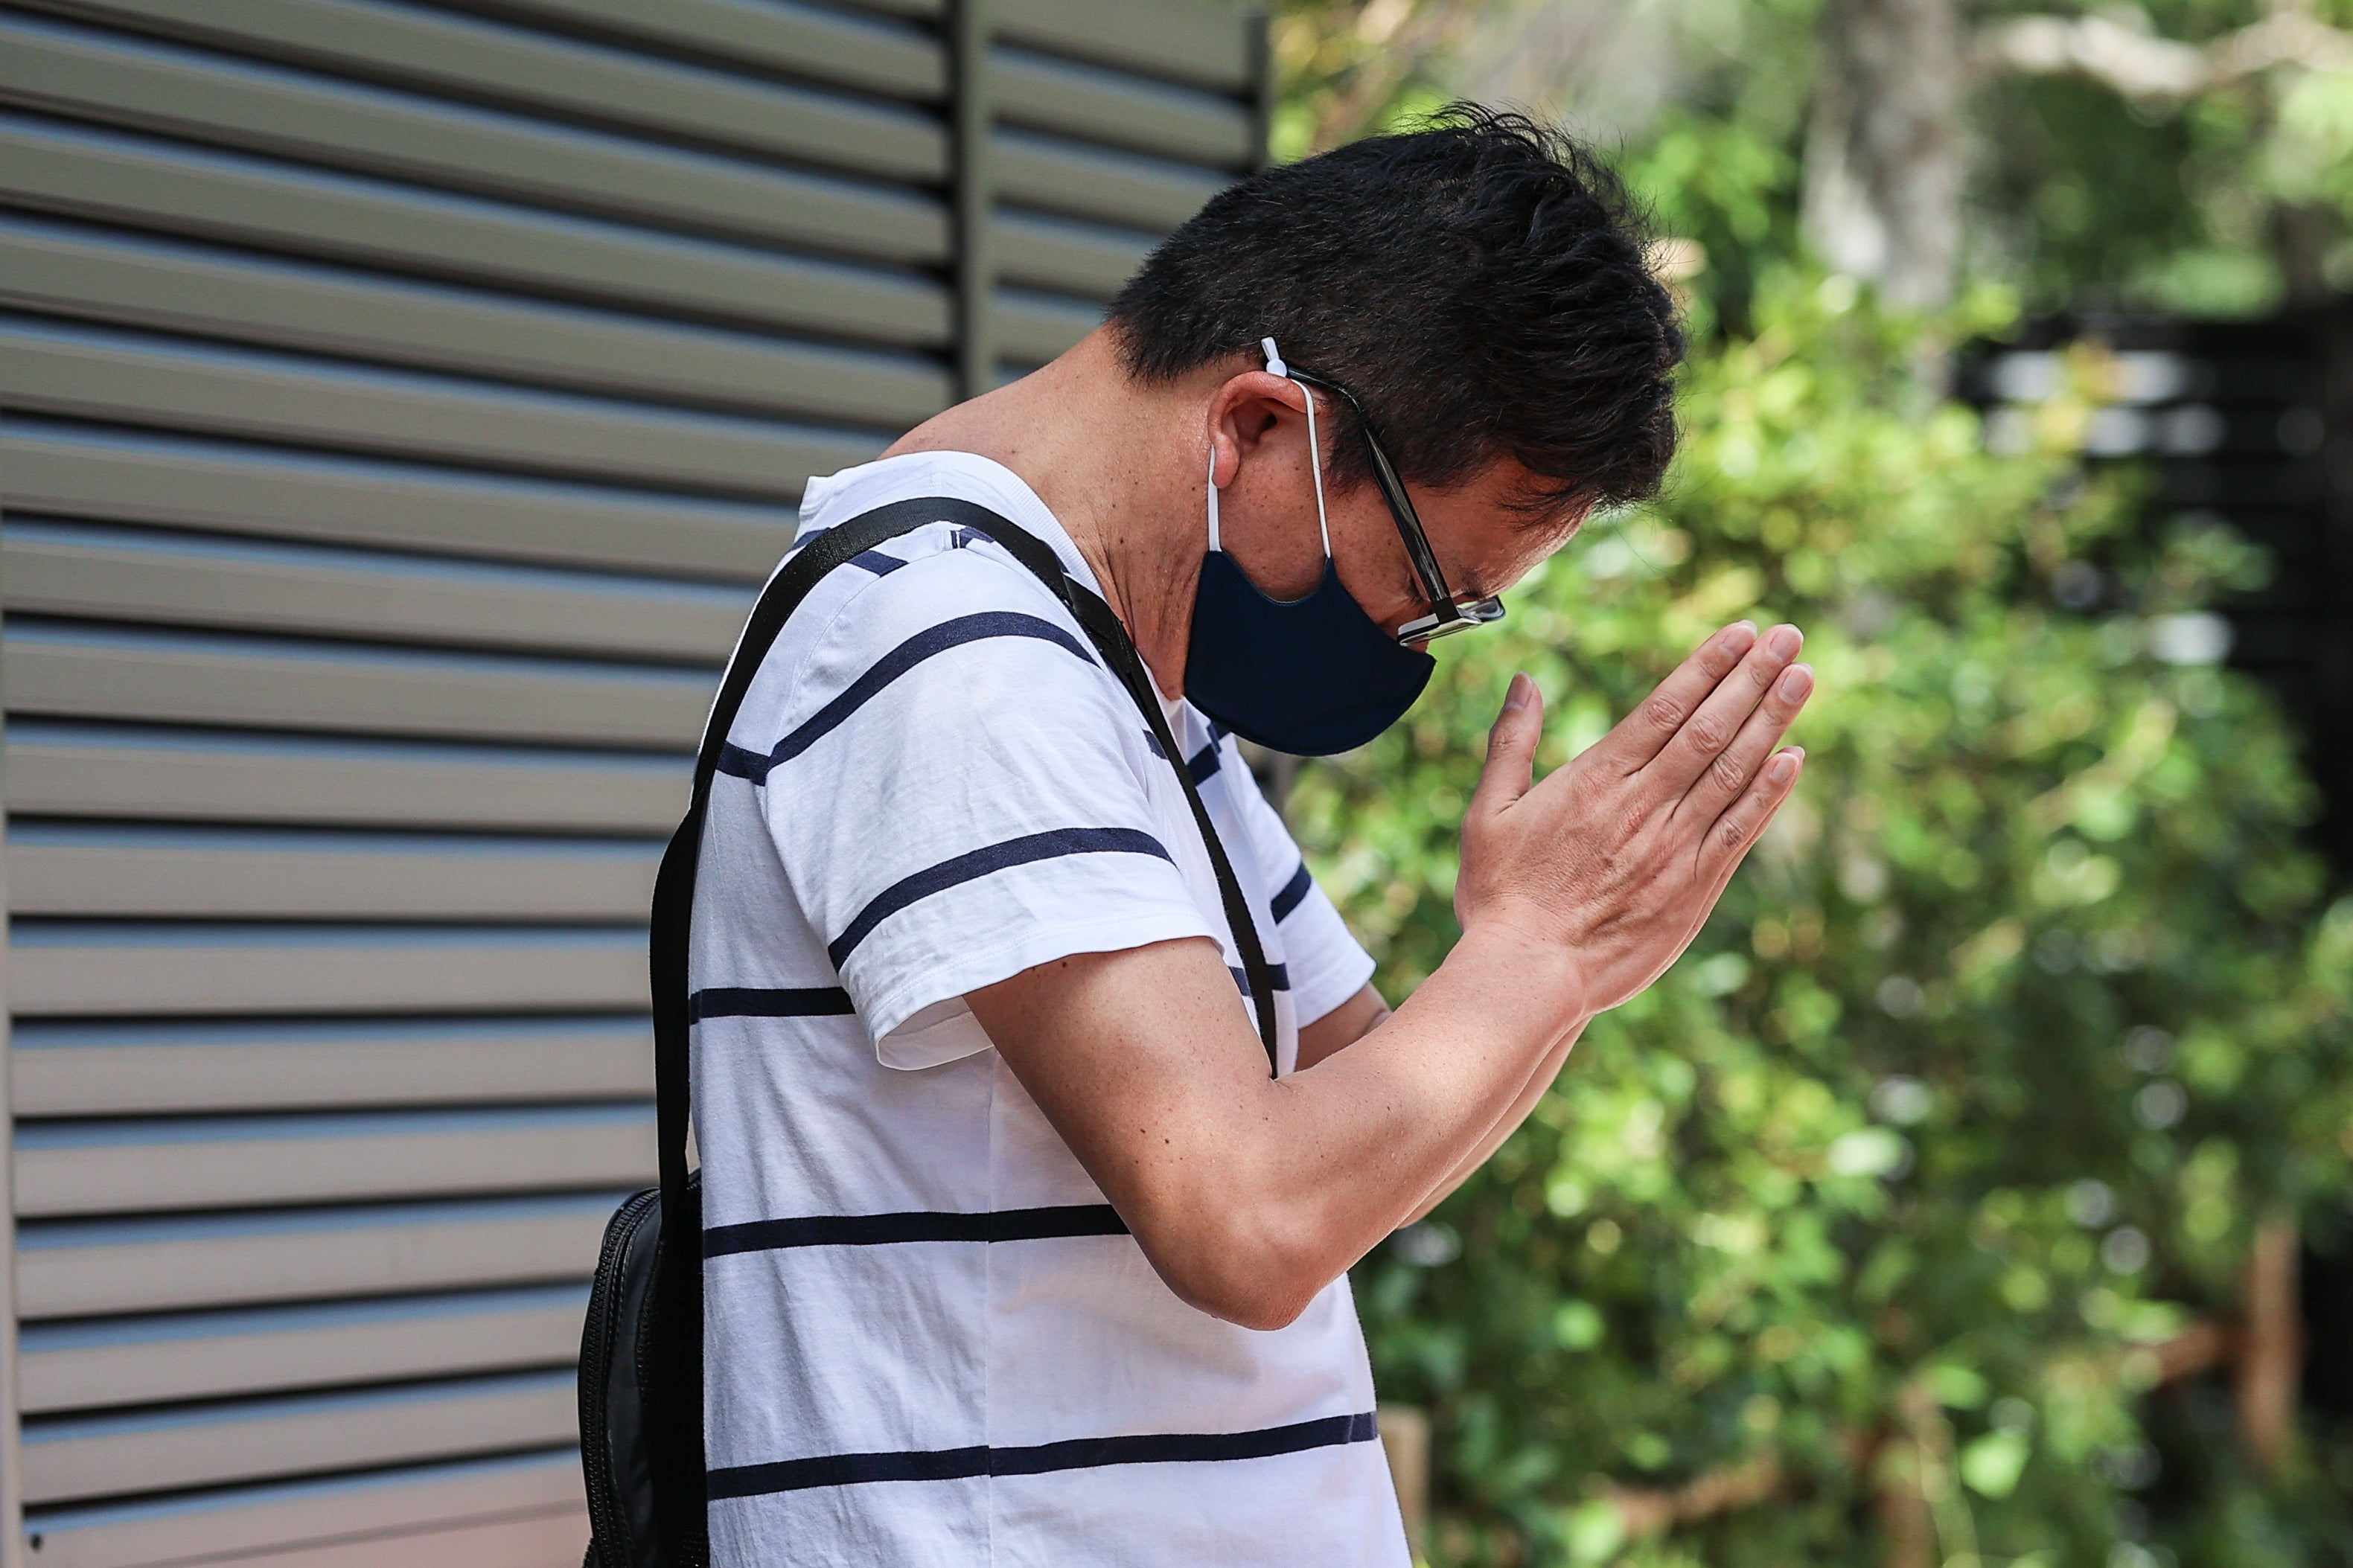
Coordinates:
[1511,747]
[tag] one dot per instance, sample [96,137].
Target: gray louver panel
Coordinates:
[131,1361]
[75,1458]
[112,1070]
[183,287]
[118,873]
[1115,124]
[95,373]
[76,968]
[159,1164]
[405,135]
[171,188]
[524,1510]
[78,1268]
[401,403]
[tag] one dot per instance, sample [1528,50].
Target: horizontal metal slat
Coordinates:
[1047,94]
[126,872]
[118,278]
[193,678]
[178,1069]
[1034,327]
[808,41]
[155,185]
[264,109]
[213,1355]
[103,573]
[105,1456]
[1058,254]
[1063,177]
[439,52]
[540,1536]
[114,771]
[1183,40]
[83,1268]
[148,970]
[148,1167]
[510,1512]
[94,373]
[79,472]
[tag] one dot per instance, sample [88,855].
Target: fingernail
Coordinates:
[1796,682]
[1780,769]
[1785,642]
[1739,637]
[1515,695]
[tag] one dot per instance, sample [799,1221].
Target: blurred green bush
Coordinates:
[1871,1224]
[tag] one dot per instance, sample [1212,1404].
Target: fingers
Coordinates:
[1645,731]
[1736,832]
[1720,781]
[1719,718]
[1510,748]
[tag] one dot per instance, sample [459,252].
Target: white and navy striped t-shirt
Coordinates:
[929,1342]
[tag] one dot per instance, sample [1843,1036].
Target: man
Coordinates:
[1072,1286]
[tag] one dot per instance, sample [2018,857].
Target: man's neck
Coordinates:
[1097,449]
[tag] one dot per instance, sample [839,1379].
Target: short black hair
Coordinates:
[1481,284]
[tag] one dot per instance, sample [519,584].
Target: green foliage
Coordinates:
[2217,202]
[1732,189]
[2028,1011]
[2022,1018]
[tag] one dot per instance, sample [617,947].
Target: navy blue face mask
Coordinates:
[1311,676]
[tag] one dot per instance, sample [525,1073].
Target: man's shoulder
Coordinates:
[910,587]
[940,607]
[935,569]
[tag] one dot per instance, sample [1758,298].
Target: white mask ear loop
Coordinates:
[1275,366]
[1213,498]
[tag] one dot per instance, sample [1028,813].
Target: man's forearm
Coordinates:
[1539,1081]
[1377,1134]
[1363,1012]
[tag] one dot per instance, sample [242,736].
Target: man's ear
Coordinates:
[1244,411]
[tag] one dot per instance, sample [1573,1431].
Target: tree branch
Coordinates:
[2271,1344]
[1652,1513]
[2140,65]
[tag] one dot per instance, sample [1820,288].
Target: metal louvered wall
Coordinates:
[402,403]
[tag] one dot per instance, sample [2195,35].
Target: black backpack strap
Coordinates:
[668,947]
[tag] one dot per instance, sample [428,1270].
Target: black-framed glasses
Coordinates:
[1449,612]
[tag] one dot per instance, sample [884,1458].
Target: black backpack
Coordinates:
[641,1349]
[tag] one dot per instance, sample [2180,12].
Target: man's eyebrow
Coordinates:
[1474,587]
[1476,592]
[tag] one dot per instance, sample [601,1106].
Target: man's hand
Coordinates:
[1617,856]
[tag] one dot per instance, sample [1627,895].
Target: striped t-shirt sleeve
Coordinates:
[955,792]
[1326,963]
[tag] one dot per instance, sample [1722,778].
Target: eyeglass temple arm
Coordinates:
[1393,492]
